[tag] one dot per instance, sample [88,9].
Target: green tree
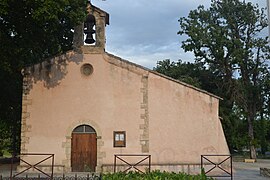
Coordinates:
[226,37]
[30,31]
[185,72]
[191,73]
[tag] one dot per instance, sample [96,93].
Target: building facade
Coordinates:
[87,105]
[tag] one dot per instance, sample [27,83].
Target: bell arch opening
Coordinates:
[89,29]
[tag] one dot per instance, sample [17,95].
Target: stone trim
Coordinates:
[26,102]
[144,127]
[66,145]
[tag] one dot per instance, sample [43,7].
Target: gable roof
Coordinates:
[107,16]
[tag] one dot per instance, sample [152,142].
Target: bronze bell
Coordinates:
[88,29]
[89,39]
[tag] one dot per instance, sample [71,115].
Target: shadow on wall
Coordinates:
[50,71]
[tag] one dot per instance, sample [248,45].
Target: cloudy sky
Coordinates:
[145,31]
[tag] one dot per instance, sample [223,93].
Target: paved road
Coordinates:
[250,171]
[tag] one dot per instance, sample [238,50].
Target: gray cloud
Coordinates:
[145,31]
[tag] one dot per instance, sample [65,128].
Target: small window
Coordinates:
[87,69]
[119,139]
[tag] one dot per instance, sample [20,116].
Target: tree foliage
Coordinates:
[192,73]
[30,31]
[226,37]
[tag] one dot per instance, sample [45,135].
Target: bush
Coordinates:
[155,175]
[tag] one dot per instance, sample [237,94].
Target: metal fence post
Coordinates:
[201,163]
[149,163]
[114,168]
[52,166]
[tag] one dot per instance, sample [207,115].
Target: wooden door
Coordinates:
[83,152]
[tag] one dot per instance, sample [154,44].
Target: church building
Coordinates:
[86,106]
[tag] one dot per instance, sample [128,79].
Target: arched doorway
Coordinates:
[83,149]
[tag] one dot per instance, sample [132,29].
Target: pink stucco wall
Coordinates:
[181,122]
[184,123]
